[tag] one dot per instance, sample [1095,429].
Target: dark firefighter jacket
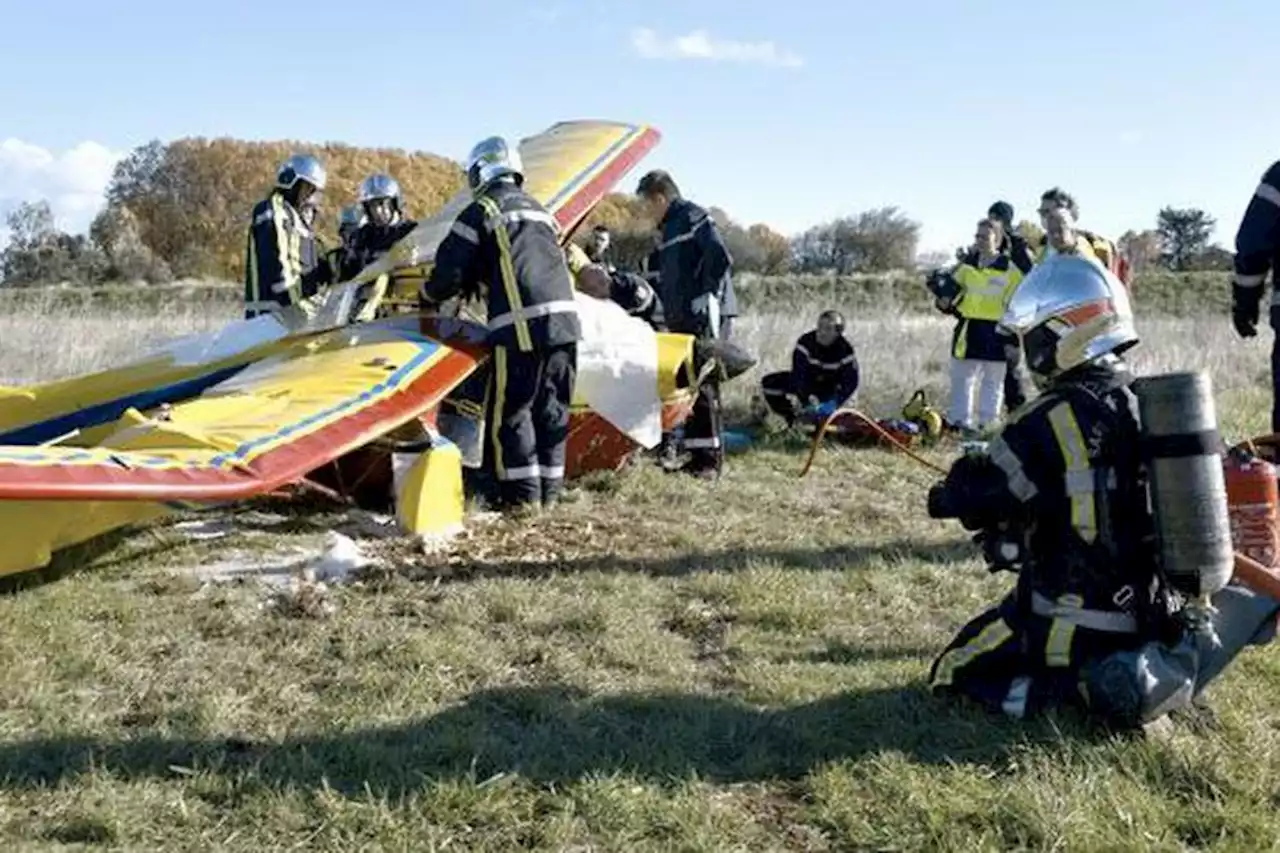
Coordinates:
[368,243]
[1066,469]
[371,242]
[1258,242]
[504,244]
[281,263]
[693,262]
[829,373]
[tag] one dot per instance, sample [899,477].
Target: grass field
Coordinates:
[664,665]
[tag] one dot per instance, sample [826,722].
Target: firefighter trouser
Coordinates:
[776,388]
[1020,664]
[702,432]
[702,436]
[779,388]
[527,421]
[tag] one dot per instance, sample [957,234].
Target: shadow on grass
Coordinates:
[467,568]
[554,735]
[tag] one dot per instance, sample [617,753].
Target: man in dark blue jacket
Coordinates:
[1258,253]
[694,268]
[1016,248]
[824,373]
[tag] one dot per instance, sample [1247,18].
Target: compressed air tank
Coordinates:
[1183,455]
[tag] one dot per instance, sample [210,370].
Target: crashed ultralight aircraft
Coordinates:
[309,399]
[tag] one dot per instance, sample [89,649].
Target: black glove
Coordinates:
[1244,312]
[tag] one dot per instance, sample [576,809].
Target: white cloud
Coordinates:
[72,181]
[699,45]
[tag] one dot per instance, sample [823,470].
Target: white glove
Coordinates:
[708,306]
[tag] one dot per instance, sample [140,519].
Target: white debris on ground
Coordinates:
[339,563]
[202,529]
[297,580]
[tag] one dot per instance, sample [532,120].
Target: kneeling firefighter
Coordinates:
[1094,495]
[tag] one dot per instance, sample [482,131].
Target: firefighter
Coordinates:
[1082,241]
[282,266]
[350,219]
[824,373]
[1257,254]
[385,223]
[1015,245]
[694,268]
[1058,497]
[342,260]
[985,280]
[506,245]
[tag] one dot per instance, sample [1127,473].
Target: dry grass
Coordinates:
[661,666]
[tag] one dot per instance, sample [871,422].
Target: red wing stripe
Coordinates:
[273,469]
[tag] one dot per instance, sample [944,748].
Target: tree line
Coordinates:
[180,209]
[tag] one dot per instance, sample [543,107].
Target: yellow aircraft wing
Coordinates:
[267,426]
[568,168]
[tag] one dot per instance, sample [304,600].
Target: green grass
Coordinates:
[664,665]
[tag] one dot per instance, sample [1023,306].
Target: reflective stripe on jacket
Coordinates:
[506,245]
[280,258]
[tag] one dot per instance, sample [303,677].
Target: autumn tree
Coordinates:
[1184,235]
[774,249]
[191,198]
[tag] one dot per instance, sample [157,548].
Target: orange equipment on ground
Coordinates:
[1253,502]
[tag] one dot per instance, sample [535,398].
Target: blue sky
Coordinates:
[786,113]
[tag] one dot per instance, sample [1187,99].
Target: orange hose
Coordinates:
[1257,577]
[1252,444]
[890,437]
